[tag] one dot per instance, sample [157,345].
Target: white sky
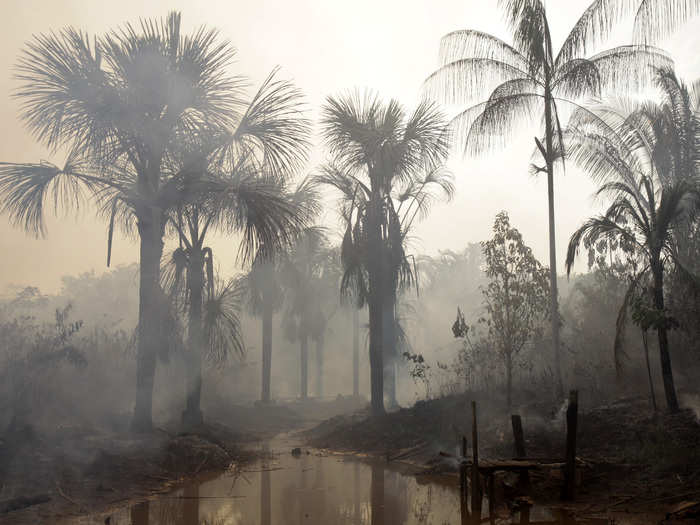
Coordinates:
[325,47]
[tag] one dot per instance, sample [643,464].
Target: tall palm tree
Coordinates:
[327,298]
[264,283]
[301,271]
[645,157]
[120,104]
[527,81]
[213,324]
[265,297]
[384,162]
[268,142]
[116,103]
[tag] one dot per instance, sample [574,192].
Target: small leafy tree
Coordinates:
[517,294]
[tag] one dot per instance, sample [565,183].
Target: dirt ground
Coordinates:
[73,471]
[631,461]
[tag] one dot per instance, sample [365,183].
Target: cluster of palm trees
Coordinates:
[166,143]
[162,140]
[527,80]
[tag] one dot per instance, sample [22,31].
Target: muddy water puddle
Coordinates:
[310,489]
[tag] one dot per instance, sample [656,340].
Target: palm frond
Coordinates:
[221,323]
[469,43]
[592,230]
[260,208]
[274,123]
[629,68]
[424,142]
[464,81]
[353,127]
[27,189]
[655,20]
[64,92]
[592,27]
[492,127]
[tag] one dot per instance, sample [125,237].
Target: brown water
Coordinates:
[311,489]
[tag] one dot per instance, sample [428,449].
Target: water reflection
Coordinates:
[312,490]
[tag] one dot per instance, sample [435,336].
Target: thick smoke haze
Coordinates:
[325,48]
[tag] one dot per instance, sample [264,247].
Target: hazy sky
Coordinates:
[325,47]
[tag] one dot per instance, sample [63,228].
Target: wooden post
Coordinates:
[568,491]
[463,492]
[490,483]
[525,514]
[476,489]
[519,437]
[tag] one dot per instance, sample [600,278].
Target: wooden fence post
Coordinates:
[476,489]
[517,424]
[569,489]
[463,491]
[519,437]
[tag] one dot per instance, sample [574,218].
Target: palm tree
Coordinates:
[385,163]
[270,136]
[265,297]
[264,283]
[116,104]
[301,270]
[527,81]
[327,298]
[645,156]
[121,106]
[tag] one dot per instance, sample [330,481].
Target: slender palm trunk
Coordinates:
[319,365]
[266,348]
[509,380]
[304,360]
[554,294]
[389,346]
[645,342]
[376,287]
[355,352]
[150,318]
[192,415]
[664,354]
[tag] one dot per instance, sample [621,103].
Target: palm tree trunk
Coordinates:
[664,354]
[389,347]
[192,415]
[554,294]
[645,342]
[150,319]
[509,380]
[304,359]
[266,348]
[376,286]
[355,352]
[319,365]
